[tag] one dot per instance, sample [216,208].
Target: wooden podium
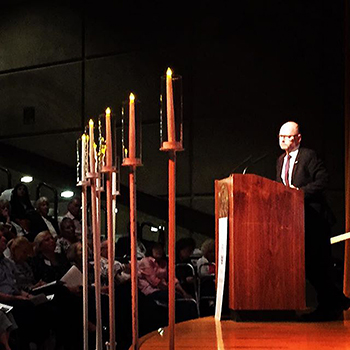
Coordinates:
[265,252]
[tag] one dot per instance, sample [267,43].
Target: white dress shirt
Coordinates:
[293,156]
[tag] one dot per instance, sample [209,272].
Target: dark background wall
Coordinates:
[247,67]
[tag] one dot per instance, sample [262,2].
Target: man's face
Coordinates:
[44,208]
[68,229]
[289,137]
[75,208]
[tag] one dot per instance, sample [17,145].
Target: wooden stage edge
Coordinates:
[206,333]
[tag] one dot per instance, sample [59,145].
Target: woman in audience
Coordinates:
[51,266]
[20,251]
[48,265]
[5,217]
[21,206]
[34,321]
[40,219]
[205,262]
[67,236]
[153,276]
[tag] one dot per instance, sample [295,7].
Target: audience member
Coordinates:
[75,255]
[67,236]
[34,328]
[185,273]
[121,271]
[5,217]
[74,213]
[208,257]
[21,206]
[21,250]
[184,250]
[40,219]
[47,264]
[153,276]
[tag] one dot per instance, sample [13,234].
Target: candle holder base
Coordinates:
[83,183]
[106,169]
[171,146]
[132,162]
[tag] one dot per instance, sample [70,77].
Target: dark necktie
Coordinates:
[286,170]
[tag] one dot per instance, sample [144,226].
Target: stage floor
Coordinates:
[205,334]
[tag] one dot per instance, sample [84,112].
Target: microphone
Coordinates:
[254,162]
[241,163]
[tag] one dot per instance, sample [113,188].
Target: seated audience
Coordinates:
[153,276]
[20,251]
[185,274]
[40,219]
[67,236]
[5,217]
[74,213]
[206,274]
[47,264]
[208,257]
[75,255]
[34,328]
[21,206]
[121,271]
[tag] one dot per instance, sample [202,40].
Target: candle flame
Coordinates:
[132,97]
[91,123]
[108,111]
[83,137]
[169,72]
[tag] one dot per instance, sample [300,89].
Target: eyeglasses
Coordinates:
[287,136]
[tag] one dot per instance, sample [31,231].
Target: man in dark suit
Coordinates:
[300,168]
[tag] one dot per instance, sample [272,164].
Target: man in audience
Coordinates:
[74,213]
[40,219]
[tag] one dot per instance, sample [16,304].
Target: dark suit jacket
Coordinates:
[310,175]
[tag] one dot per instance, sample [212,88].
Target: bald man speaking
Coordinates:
[301,169]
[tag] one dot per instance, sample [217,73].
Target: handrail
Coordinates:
[53,189]
[9,176]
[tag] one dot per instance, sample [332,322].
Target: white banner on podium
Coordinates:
[222,247]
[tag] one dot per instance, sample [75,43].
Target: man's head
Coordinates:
[74,207]
[289,137]
[67,229]
[42,206]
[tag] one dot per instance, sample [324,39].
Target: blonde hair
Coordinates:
[41,200]
[39,239]
[19,243]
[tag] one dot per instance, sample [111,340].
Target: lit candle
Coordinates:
[108,138]
[170,106]
[132,126]
[92,148]
[83,160]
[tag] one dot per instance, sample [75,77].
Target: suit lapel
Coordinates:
[296,163]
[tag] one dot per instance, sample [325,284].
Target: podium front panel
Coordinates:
[266,244]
